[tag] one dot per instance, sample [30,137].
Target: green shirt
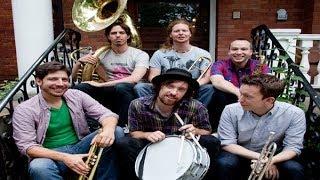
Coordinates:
[60,131]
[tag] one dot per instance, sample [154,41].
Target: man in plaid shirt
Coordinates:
[151,118]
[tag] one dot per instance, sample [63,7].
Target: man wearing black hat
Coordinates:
[152,117]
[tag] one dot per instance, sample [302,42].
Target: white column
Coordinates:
[287,39]
[33,30]
[212,28]
[305,43]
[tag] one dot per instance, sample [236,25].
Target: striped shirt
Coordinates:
[144,117]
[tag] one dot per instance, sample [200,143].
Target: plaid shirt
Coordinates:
[144,117]
[227,69]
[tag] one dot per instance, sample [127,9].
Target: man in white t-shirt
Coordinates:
[177,52]
[124,66]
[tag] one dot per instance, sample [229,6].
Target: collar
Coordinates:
[43,103]
[232,66]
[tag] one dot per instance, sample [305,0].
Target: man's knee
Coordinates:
[227,161]
[143,89]
[291,168]
[124,87]
[42,167]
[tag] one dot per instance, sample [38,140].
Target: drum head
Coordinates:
[161,159]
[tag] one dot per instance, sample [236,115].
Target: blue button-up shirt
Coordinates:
[244,128]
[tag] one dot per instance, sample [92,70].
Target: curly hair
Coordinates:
[168,43]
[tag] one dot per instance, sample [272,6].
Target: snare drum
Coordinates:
[159,161]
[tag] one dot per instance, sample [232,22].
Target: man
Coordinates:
[51,128]
[151,118]
[177,52]
[244,128]
[124,66]
[226,75]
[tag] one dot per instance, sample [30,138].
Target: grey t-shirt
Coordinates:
[119,66]
[164,59]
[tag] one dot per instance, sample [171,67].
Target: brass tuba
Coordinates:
[96,15]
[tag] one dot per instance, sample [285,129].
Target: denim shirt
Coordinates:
[246,129]
[31,118]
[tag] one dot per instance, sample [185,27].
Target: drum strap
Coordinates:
[141,165]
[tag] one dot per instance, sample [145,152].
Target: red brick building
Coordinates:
[217,14]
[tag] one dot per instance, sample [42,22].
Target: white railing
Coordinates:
[291,40]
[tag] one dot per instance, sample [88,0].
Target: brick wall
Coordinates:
[8,63]
[253,13]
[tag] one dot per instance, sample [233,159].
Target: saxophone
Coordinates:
[261,165]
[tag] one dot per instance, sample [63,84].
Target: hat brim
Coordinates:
[193,84]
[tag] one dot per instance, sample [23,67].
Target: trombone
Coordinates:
[201,58]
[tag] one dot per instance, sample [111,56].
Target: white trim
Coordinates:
[212,28]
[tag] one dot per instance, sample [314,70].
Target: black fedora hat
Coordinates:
[176,74]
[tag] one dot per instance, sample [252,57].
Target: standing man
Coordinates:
[226,75]
[151,118]
[177,52]
[124,67]
[245,126]
[51,128]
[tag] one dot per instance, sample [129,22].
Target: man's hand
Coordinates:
[155,136]
[104,138]
[76,163]
[272,172]
[189,128]
[88,59]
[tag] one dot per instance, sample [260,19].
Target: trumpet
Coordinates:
[92,161]
[261,165]
[199,60]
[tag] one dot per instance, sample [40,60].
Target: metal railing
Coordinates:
[298,92]
[11,162]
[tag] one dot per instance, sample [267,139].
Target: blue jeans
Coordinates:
[205,92]
[44,168]
[231,166]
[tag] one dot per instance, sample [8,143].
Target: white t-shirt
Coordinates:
[119,66]
[164,59]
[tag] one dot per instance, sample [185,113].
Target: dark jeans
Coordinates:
[128,149]
[231,166]
[117,98]
[219,100]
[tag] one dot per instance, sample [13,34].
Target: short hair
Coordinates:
[242,39]
[123,26]
[169,42]
[50,67]
[270,86]
[189,94]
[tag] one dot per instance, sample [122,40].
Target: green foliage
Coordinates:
[6,87]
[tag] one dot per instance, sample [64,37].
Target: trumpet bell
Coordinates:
[93,15]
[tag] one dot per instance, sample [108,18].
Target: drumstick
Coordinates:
[181,148]
[190,133]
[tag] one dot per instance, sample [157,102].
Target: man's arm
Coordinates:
[205,79]
[150,136]
[153,72]
[106,137]
[73,161]
[241,151]
[220,83]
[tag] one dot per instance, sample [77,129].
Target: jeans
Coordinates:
[117,98]
[205,92]
[45,168]
[231,166]
[218,102]
[128,149]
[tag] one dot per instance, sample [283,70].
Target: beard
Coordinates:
[169,101]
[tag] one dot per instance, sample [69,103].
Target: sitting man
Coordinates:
[244,128]
[124,67]
[151,118]
[177,52]
[51,128]
[226,76]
